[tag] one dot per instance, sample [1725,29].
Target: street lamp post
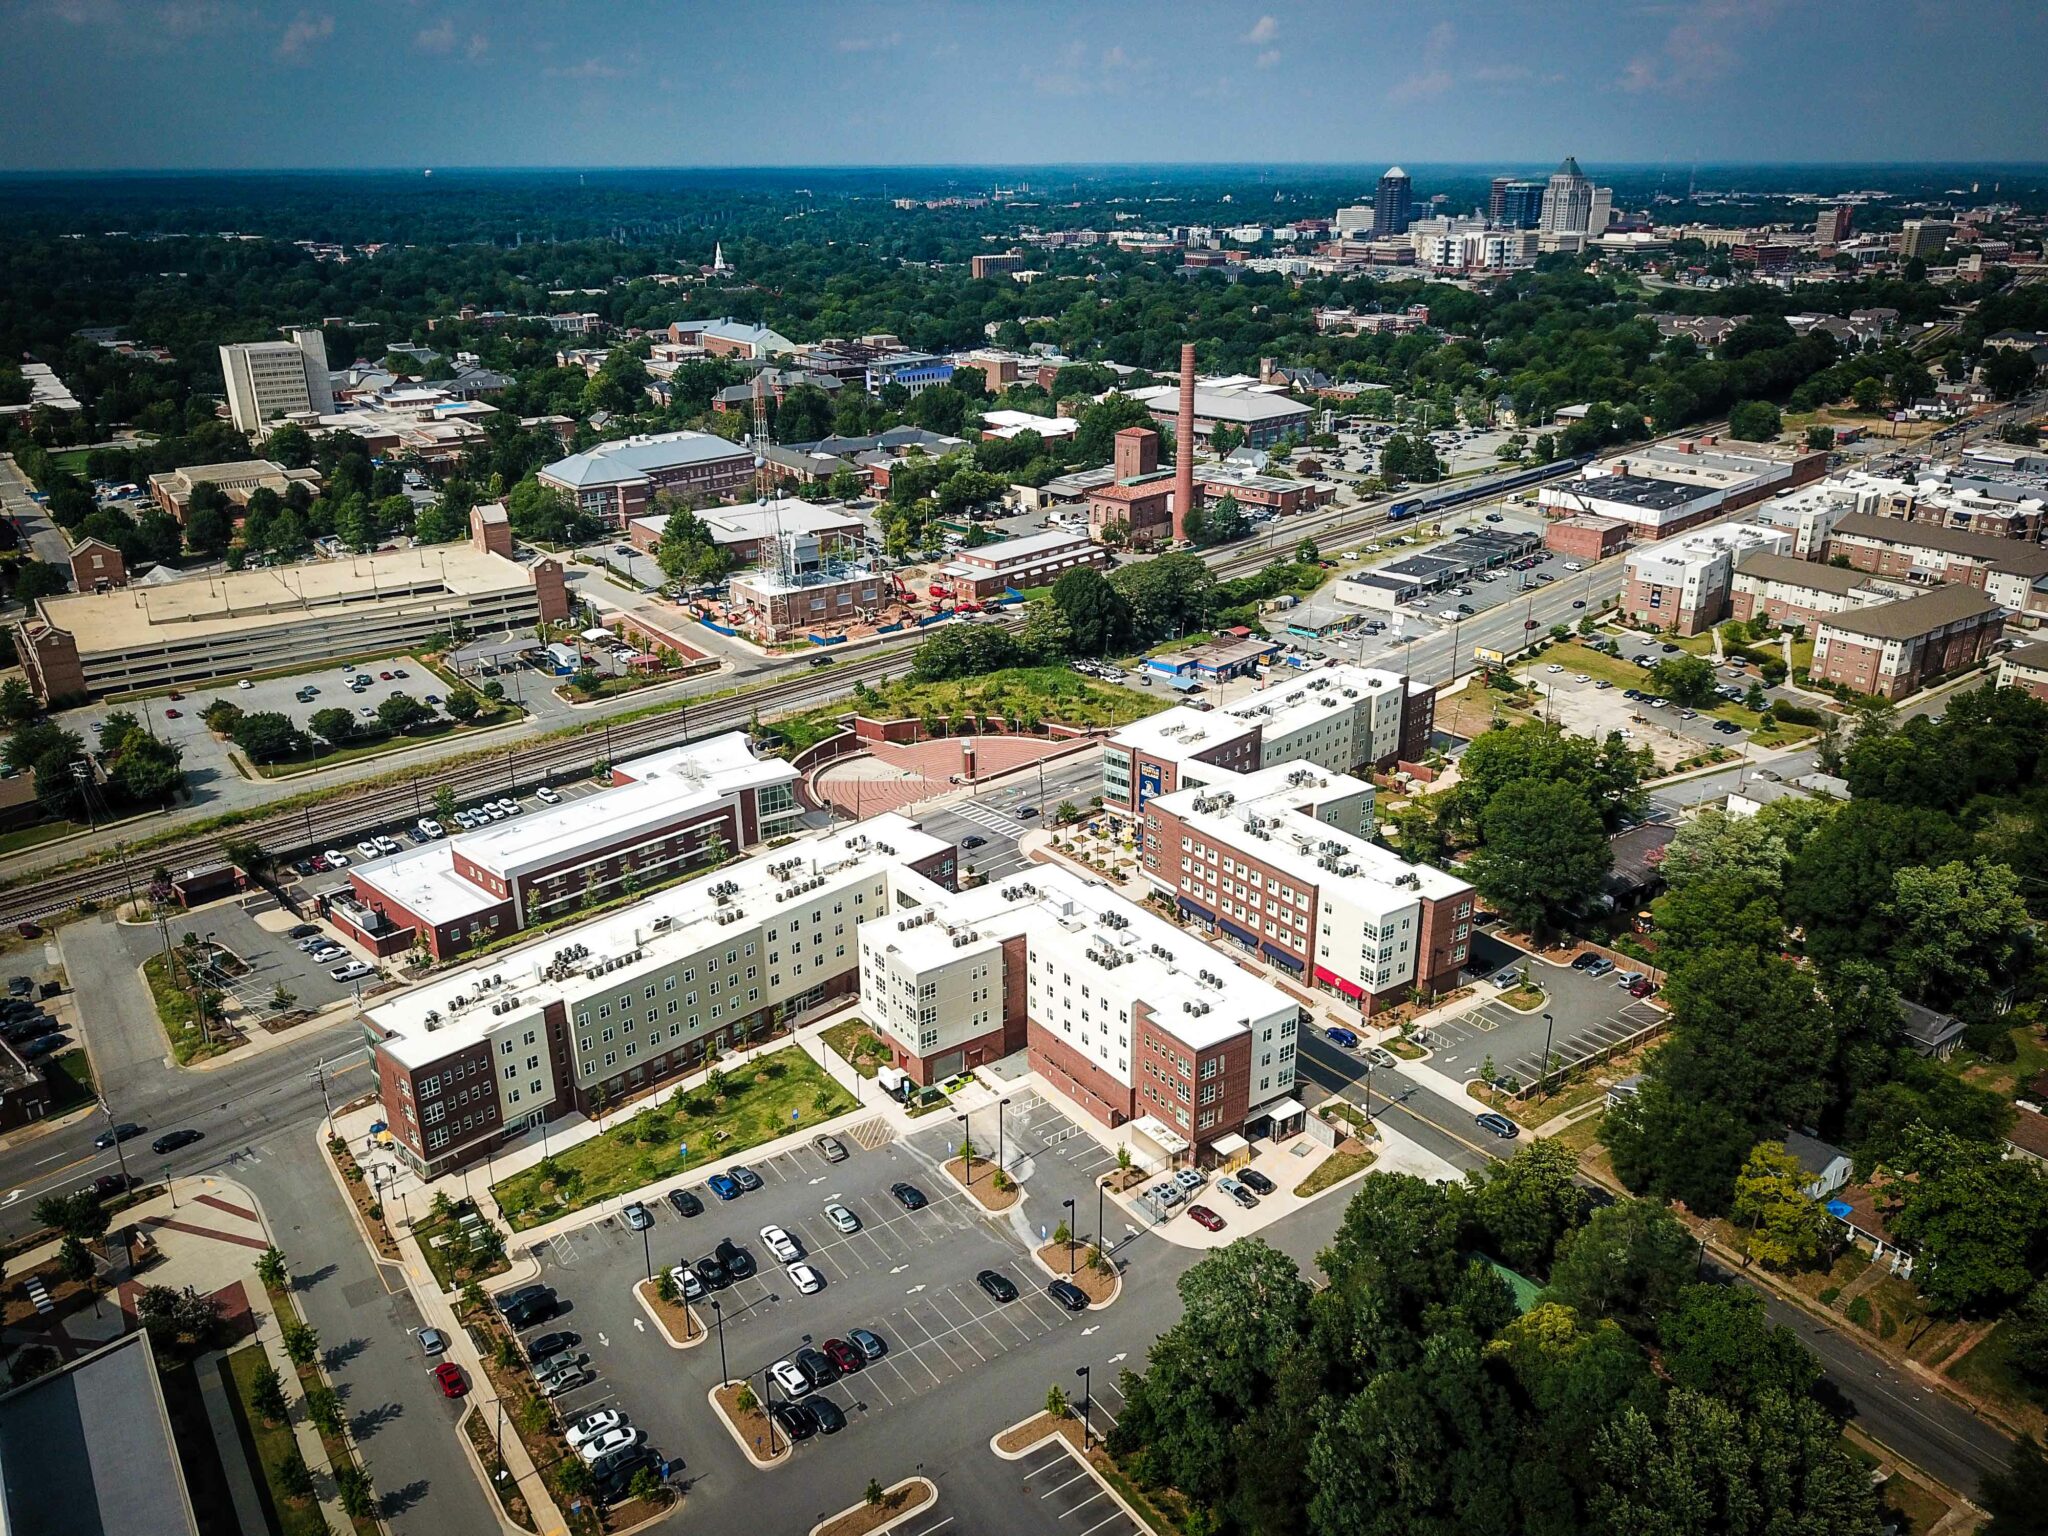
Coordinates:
[967,1147]
[767,1405]
[1087,1402]
[1001,1105]
[1070,1235]
[1546,1055]
[718,1316]
[120,1157]
[1100,1245]
[647,1253]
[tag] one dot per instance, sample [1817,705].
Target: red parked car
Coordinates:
[1642,986]
[1205,1218]
[173,714]
[845,1356]
[450,1376]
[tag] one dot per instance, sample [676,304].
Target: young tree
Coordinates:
[301,1343]
[359,1498]
[267,1394]
[270,1268]
[1783,1225]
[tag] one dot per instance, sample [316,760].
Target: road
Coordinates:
[1932,1431]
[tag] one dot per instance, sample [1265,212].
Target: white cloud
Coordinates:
[1268,59]
[1263,31]
[306,30]
[439,38]
[589,69]
[1434,78]
[1700,49]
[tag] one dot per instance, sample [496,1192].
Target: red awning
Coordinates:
[1330,978]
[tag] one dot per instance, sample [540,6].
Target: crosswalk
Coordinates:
[991,820]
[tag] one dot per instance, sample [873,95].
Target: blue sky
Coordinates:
[104,84]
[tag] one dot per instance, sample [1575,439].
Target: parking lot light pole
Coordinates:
[1070,1235]
[1100,1246]
[1087,1402]
[1001,1105]
[1546,1056]
[967,1147]
[768,1405]
[647,1253]
[718,1315]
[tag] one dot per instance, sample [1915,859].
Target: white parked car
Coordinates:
[688,1286]
[591,1425]
[509,806]
[611,1440]
[493,812]
[781,1244]
[245,683]
[351,971]
[387,845]
[368,849]
[545,795]
[807,1279]
[336,857]
[842,1218]
[432,828]
[793,1382]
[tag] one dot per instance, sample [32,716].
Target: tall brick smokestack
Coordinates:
[1184,445]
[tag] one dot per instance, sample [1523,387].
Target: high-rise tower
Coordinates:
[1184,445]
[1393,204]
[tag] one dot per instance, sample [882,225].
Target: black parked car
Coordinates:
[529,1313]
[520,1295]
[712,1273]
[909,1196]
[686,1204]
[171,1141]
[826,1412]
[1068,1295]
[737,1261]
[1252,1179]
[796,1420]
[817,1365]
[1000,1288]
[619,1468]
[553,1343]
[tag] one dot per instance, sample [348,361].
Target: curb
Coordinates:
[780,1458]
[1138,1521]
[1116,1273]
[931,1496]
[640,1295]
[483,1477]
[995,1445]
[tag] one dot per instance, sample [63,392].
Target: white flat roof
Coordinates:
[424,882]
[1180,732]
[1030,546]
[1283,708]
[665,927]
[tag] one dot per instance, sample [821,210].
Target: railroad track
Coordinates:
[341,822]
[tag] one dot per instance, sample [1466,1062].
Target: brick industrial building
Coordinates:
[1035,560]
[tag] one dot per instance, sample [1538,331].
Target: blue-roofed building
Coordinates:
[617,481]
[915,371]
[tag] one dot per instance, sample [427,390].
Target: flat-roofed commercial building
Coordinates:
[665,814]
[1662,489]
[746,532]
[172,489]
[1278,862]
[1894,649]
[204,628]
[617,481]
[1341,717]
[591,1014]
[1683,584]
[1035,560]
[1137,1021]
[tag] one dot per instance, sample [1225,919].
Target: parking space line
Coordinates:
[1098,1525]
[959,1331]
[1056,1487]
[1052,1462]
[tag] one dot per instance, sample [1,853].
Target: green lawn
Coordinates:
[274,1445]
[449,1254]
[1333,1170]
[855,1042]
[1014,693]
[173,998]
[31,837]
[767,1097]
[71,1083]
[72,459]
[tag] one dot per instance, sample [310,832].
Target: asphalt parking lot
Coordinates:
[1589,1014]
[272,958]
[906,1275]
[1055,1495]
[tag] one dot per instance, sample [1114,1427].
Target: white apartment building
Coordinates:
[267,379]
[1683,584]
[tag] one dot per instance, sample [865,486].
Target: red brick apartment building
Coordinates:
[1893,649]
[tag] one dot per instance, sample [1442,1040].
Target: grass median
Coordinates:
[737,1107]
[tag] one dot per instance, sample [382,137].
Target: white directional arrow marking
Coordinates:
[13,1195]
[640,1327]
[821,1178]
[899,1269]
[1091,1328]
[1114,1359]
[607,1343]
[913,1290]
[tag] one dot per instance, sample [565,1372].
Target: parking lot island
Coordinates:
[677,1320]
[992,1189]
[881,1512]
[739,1409]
